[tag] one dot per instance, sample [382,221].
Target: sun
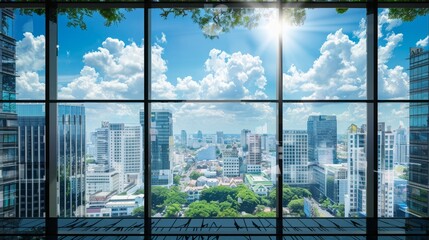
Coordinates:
[271,26]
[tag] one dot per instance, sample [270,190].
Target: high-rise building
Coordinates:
[322,139]
[71,160]
[100,177]
[401,146]
[385,150]
[295,157]
[418,184]
[8,118]
[102,144]
[356,175]
[243,139]
[231,162]
[219,137]
[183,139]
[32,173]
[161,145]
[254,157]
[125,153]
[200,135]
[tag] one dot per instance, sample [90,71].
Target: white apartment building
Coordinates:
[231,164]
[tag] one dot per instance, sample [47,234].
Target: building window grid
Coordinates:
[51,81]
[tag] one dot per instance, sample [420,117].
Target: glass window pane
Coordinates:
[214,53]
[324,54]
[23,55]
[403,58]
[402,161]
[324,160]
[213,160]
[22,162]
[100,160]
[100,53]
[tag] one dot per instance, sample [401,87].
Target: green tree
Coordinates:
[175,196]
[195,175]
[172,210]
[138,211]
[266,214]
[203,209]
[249,199]
[297,206]
[176,180]
[219,193]
[159,195]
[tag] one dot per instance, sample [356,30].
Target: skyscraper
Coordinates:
[295,157]
[322,139]
[243,139]
[254,157]
[219,137]
[354,200]
[231,162]
[8,118]
[183,139]
[32,158]
[125,153]
[102,144]
[385,179]
[418,184]
[71,160]
[161,145]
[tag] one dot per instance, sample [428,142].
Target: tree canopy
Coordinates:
[212,21]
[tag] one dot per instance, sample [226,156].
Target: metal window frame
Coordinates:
[51,100]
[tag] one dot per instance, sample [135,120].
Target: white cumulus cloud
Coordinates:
[30,65]
[423,42]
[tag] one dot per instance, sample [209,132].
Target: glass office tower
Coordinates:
[8,118]
[418,184]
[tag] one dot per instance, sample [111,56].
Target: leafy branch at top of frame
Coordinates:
[212,21]
[76,16]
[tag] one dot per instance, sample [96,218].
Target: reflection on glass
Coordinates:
[22,162]
[22,55]
[214,53]
[213,160]
[100,160]
[394,163]
[108,61]
[31,165]
[324,160]
[403,58]
[324,54]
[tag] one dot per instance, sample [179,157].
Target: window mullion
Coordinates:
[51,212]
[372,120]
[279,174]
[146,129]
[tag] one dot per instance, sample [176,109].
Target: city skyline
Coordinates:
[395,38]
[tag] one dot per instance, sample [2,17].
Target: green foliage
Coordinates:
[140,191]
[407,14]
[138,211]
[326,203]
[163,197]
[172,210]
[76,16]
[203,209]
[297,206]
[265,214]
[289,194]
[176,180]
[219,193]
[195,175]
[159,195]
[175,196]
[249,200]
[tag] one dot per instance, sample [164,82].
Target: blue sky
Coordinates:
[324,58]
